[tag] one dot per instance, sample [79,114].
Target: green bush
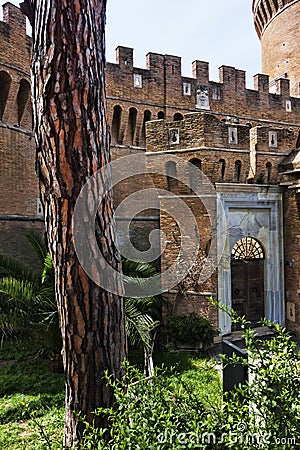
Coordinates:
[268,406]
[152,414]
[169,412]
[189,329]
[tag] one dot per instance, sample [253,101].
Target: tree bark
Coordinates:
[72,144]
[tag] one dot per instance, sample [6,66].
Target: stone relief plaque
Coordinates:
[202,97]
[173,136]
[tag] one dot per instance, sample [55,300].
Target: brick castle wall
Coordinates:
[136,95]
[254,127]
[277,25]
[19,208]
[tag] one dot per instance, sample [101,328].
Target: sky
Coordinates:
[220,32]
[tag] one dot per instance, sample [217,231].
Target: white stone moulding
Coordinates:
[255,211]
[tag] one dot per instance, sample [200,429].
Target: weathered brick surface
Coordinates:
[204,112]
[161,91]
[13,239]
[277,25]
[292,256]
[206,137]
[18,181]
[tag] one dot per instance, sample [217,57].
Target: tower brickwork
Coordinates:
[277,25]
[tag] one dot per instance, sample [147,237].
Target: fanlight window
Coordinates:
[247,248]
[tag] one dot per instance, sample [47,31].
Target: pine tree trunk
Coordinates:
[72,143]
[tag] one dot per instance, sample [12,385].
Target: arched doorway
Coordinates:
[247,279]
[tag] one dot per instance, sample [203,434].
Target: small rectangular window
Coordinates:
[39,207]
[186,89]
[272,138]
[216,93]
[232,135]
[137,80]
[288,106]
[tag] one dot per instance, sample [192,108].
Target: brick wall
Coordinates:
[292,259]
[252,127]
[209,139]
[277,24]
[18,181]
[160,91]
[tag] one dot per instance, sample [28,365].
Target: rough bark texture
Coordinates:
[72,143]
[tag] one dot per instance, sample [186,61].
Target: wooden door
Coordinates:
[247,288]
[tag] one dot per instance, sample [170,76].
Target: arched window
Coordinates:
[116,125]
[178,116]
[222,171]
[268,172]
[160,115]
[5,82]
[195,175]
[131,125]
[147,117]
[22,98]
[171,173]
[247,248]
[237,170]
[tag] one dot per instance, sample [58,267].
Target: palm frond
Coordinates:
[21,291]
[137,269]
[138,325]
[38,244]
[11,267]
[48,272]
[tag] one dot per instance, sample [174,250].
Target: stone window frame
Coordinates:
[187,89]
[273,139]
[174,136]
[232,135]
[138,80]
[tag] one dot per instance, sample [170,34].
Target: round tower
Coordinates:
[277,24]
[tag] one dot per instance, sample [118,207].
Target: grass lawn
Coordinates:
[32,397]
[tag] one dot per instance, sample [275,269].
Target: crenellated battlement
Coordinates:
[16,46]
[242,139]
[161,91]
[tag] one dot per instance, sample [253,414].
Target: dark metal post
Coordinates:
[234,374]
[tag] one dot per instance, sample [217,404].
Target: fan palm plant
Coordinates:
[142,314]
[28,301]
[28,298]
